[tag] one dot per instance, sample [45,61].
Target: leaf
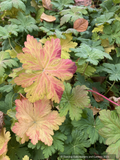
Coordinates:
[112,33]
[36,121]
[97,97]
[58,145]
[90,126]
[73,101]
[5,62]
[98,28]
[13,53]
[6,88]
[111,131]
[77,146]
[81,25]
[47,18]
[66,44]
[113,70]
[72,14]
[60,4]
[39,13]
[8,30]
[48,70]
[1,121]
[15,150]
[4,138]
[107,46]
[88,71]
[94,109]
[9,4]
[7,103]
[24,23]
[83,2]
[47,4]
[105,18]
[89,54]
[26,158]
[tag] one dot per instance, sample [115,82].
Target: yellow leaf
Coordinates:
[66,44]
[26,158]
[98,29]
[107,46]
[13,53]
[34,4]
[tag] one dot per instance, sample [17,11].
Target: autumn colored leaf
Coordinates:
[97,97]
[47,18]
[36,121]
[4,138]
[26,158]
[13,53]
[66,44]
[47,70]
[94,109]
[98,28]
[1,120]
[107,46]
[47,4]
[83,2]
[81,25]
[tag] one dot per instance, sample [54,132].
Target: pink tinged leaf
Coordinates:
[48,70]
[36,121]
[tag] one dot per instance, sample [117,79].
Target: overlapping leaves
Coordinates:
[47,70]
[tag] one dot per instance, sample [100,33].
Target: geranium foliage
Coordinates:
[46,70]
[37,121]
[59,79]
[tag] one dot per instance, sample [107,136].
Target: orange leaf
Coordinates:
[47,18]
[47,4]
[36,121]
[81,25]
[97,97]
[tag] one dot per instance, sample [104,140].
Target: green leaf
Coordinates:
[15,150]
[112,33]
[91,126]
[111,131]
[77,146]
[89,54]
[5,62]
[8,30]
[6,88]
[8,103]
[86,69]
[8,4]
[113,70]
[25,23]
[105,18]
[73,101]
[72,14]
[58,145]
[60,4]
[116,1]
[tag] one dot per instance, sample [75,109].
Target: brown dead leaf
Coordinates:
[1,120]
[81,25]
[47,18]
[47,4]
[116,100]
[83,2]
[95,110]
[97,97]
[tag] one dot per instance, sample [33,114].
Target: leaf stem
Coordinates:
[12,46]
[110,88]
[85,68]
[103,96]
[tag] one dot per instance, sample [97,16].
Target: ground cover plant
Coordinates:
[59,79]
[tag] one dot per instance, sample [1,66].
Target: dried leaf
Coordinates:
[47,18]
[36,121]
[81,25]
[1,120]
[95,110]
[97,97]
[116,100]
[47,4]
[83,2]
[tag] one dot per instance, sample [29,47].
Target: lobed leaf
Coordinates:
[36,121]
[48,70]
